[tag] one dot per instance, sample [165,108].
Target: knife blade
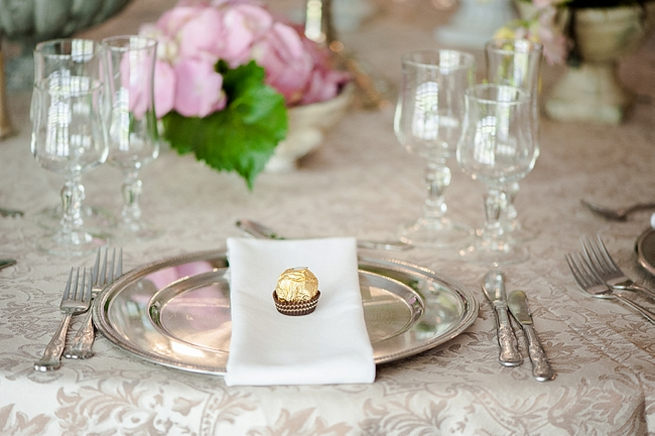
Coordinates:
[493,286]
[259,230]
[518,305]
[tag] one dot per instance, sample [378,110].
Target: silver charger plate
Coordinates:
[176,312]
[646,250]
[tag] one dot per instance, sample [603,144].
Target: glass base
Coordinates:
[134,231]
[97,220]
[435,233]
[493,253]
[76,244]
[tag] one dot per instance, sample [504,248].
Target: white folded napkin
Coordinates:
[329,345]
[652,220]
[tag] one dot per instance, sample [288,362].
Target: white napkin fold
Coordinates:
[652,220]
[328,346]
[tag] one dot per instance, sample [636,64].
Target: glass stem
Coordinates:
[72,196]
[131,189]
[437,179]
[494,200]
[510,211]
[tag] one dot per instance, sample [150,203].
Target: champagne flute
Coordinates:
[132,122]
[498,148]
[69,137]
[515,62]
[76,57]
[428,122]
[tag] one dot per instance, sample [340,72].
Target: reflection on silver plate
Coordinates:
[646,250]
[176,312]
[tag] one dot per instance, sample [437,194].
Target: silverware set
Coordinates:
[76,300]
[493,286]
[598,275]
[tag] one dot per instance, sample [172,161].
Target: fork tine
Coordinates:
[103,273]
[77,280]
[605,253]
[110,270]
[594,258]
[574,261]
[96,268]
[87,291]
[67,288]
[119,271]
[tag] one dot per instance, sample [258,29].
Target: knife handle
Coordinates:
[541,369]
[509,349]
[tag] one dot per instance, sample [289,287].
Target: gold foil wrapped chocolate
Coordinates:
[296,292]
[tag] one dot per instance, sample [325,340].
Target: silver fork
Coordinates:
[76,299]
[81,347]
[593,285]
[619,213]
[604,266]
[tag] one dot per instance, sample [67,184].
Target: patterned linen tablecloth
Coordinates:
[361,183]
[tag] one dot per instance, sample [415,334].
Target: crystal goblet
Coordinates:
[132,122]
[79,57]
[69,138]
[497,147]
[428,122]
[515,62]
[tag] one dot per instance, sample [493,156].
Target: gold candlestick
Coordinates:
[319,28]
[6,128]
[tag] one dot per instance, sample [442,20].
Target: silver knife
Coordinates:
[518,305]
[493,286]
[253,228]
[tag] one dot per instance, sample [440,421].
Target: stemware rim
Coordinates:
[490,45]
[524,96]
[52,42]
[109,41]
[469,58]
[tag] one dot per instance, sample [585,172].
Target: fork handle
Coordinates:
[650,316]
[51,358]
[643,289]
[83,340]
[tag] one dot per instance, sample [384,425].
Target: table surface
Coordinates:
[362,183]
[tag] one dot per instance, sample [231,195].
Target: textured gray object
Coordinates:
[38,20]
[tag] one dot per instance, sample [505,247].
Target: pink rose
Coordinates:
[288,65]
[198,88]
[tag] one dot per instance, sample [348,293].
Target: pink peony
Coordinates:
[164,88]
[198,88]
[194,35]
[288,66]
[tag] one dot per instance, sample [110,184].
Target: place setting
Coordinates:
[207,312]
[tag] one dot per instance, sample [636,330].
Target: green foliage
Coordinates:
[243,136]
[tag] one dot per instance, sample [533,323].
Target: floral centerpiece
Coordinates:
[544,21]
[225,75]
[591,36]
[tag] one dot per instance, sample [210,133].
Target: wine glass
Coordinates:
[132,122]
[79,57]
[497,147]
[515,62]
[428,122]
[68,134]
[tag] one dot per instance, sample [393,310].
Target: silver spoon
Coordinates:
[616,214]
[258,230]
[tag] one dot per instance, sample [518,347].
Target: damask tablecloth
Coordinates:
[362,183]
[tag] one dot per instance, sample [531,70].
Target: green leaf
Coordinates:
[243,136]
